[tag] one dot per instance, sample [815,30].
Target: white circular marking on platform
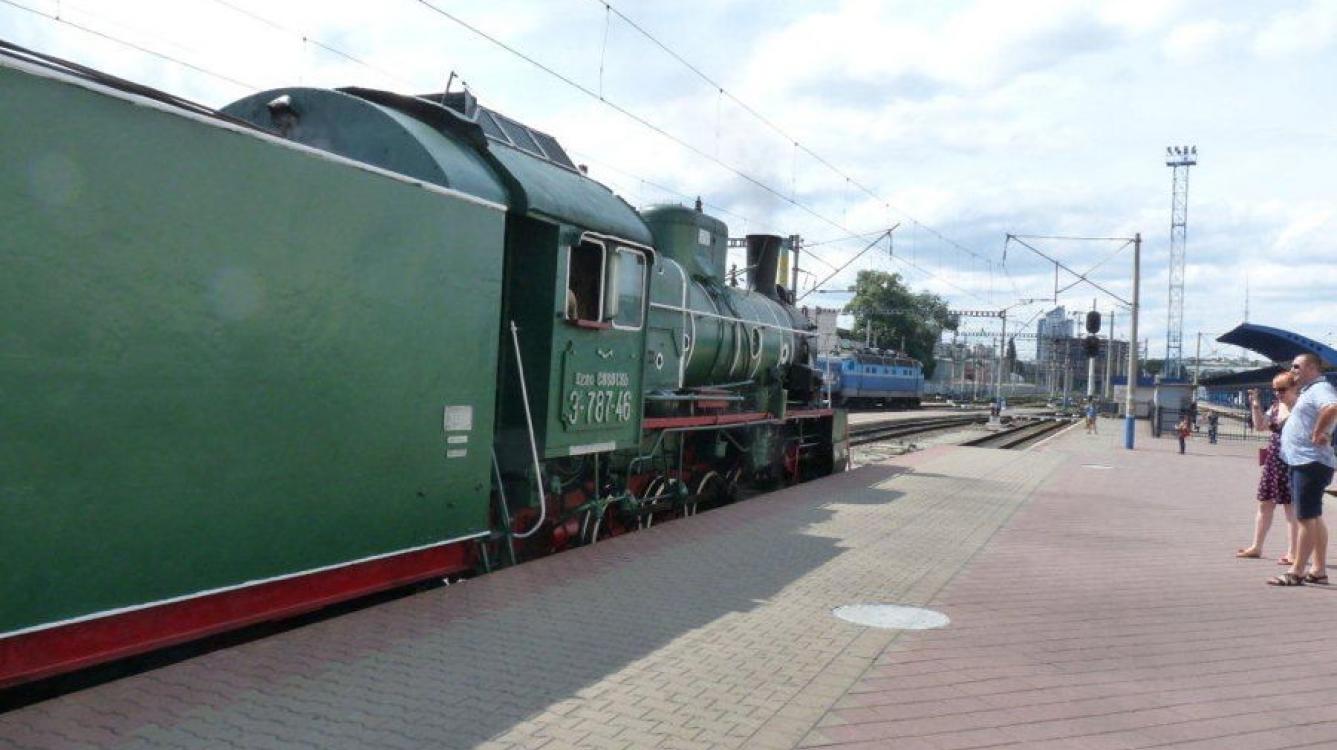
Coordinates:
[891,616]
[1096,466]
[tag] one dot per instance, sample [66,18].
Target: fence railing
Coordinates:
[1165,421]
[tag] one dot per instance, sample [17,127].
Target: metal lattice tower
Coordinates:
[1180,158]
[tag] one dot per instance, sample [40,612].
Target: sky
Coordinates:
[960,122]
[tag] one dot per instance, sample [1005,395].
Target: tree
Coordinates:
[1152,366]
[885,307]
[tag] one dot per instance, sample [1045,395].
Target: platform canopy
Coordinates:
[1276,344]
[1249,378]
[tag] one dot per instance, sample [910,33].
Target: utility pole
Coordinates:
[1067,374]
[1107,392]
[795,243]
[951,376]
[1130,410]
[1197,366]
[1002,362]
[1091,364]
[1091,375]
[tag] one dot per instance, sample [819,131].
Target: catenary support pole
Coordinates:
[1130,412]
[1091,377]
[1197,365]
[1067,373]
[797,242]
[1107,392]
[1002,362]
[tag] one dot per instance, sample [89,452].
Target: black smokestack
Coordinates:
[763,262]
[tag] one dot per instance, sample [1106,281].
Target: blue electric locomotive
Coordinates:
[871,378]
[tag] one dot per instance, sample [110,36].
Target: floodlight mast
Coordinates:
[1179,158]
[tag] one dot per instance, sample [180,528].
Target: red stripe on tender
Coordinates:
[65,648]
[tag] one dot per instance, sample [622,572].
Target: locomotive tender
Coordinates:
[327,342]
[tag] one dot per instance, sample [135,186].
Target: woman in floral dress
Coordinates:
[1274,486]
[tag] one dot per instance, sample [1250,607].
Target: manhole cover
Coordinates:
[1096,466]
[891,616]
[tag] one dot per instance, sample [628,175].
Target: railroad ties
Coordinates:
[1022,432]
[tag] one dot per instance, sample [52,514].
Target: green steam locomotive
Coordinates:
[321,343]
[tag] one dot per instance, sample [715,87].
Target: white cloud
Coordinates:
[1311,228]
[978,118]
[973,48]
[1307,31]
[1139,15]
[1202,41]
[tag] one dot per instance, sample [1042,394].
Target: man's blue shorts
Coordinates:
[1307,484]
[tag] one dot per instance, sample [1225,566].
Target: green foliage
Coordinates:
[1152,366]
[883,303]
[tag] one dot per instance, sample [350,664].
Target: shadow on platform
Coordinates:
[460,664]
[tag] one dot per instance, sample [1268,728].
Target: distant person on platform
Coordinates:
[1182,430]
[1213,422]
[1274,485]
[1306,447]
[1091,418]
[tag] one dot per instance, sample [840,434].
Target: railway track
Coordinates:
[871,433]
[1019,436]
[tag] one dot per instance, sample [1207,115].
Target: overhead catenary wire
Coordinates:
[320,44]
[885,233]
[683,143]
[798,145]
[138,48]
[1093,269]
[631,115]
[359,61]
[307,39]
[707,204]
[776,193]
[1063,266]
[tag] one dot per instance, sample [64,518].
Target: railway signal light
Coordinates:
[1091,345]
[1093,322]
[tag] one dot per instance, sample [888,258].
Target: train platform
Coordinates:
[1093,597]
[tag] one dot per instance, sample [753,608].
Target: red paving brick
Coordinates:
[1091,607]
[1111,613]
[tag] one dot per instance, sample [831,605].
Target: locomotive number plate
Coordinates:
[595,399]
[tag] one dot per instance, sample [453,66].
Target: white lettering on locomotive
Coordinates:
[598,398]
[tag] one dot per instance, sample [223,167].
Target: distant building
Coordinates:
[962,369]
[1054,325]
[1066,365]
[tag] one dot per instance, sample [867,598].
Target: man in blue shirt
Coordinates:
[1306,447]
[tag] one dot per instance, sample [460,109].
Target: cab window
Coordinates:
[625,290]
[585,282]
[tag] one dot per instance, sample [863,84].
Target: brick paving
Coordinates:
[1091,607]
[1111,614]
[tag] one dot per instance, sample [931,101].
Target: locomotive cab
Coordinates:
[597,343]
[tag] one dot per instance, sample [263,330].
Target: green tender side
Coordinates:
[223,359]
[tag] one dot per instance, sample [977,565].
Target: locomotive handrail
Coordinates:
[533,442]
[505,511]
